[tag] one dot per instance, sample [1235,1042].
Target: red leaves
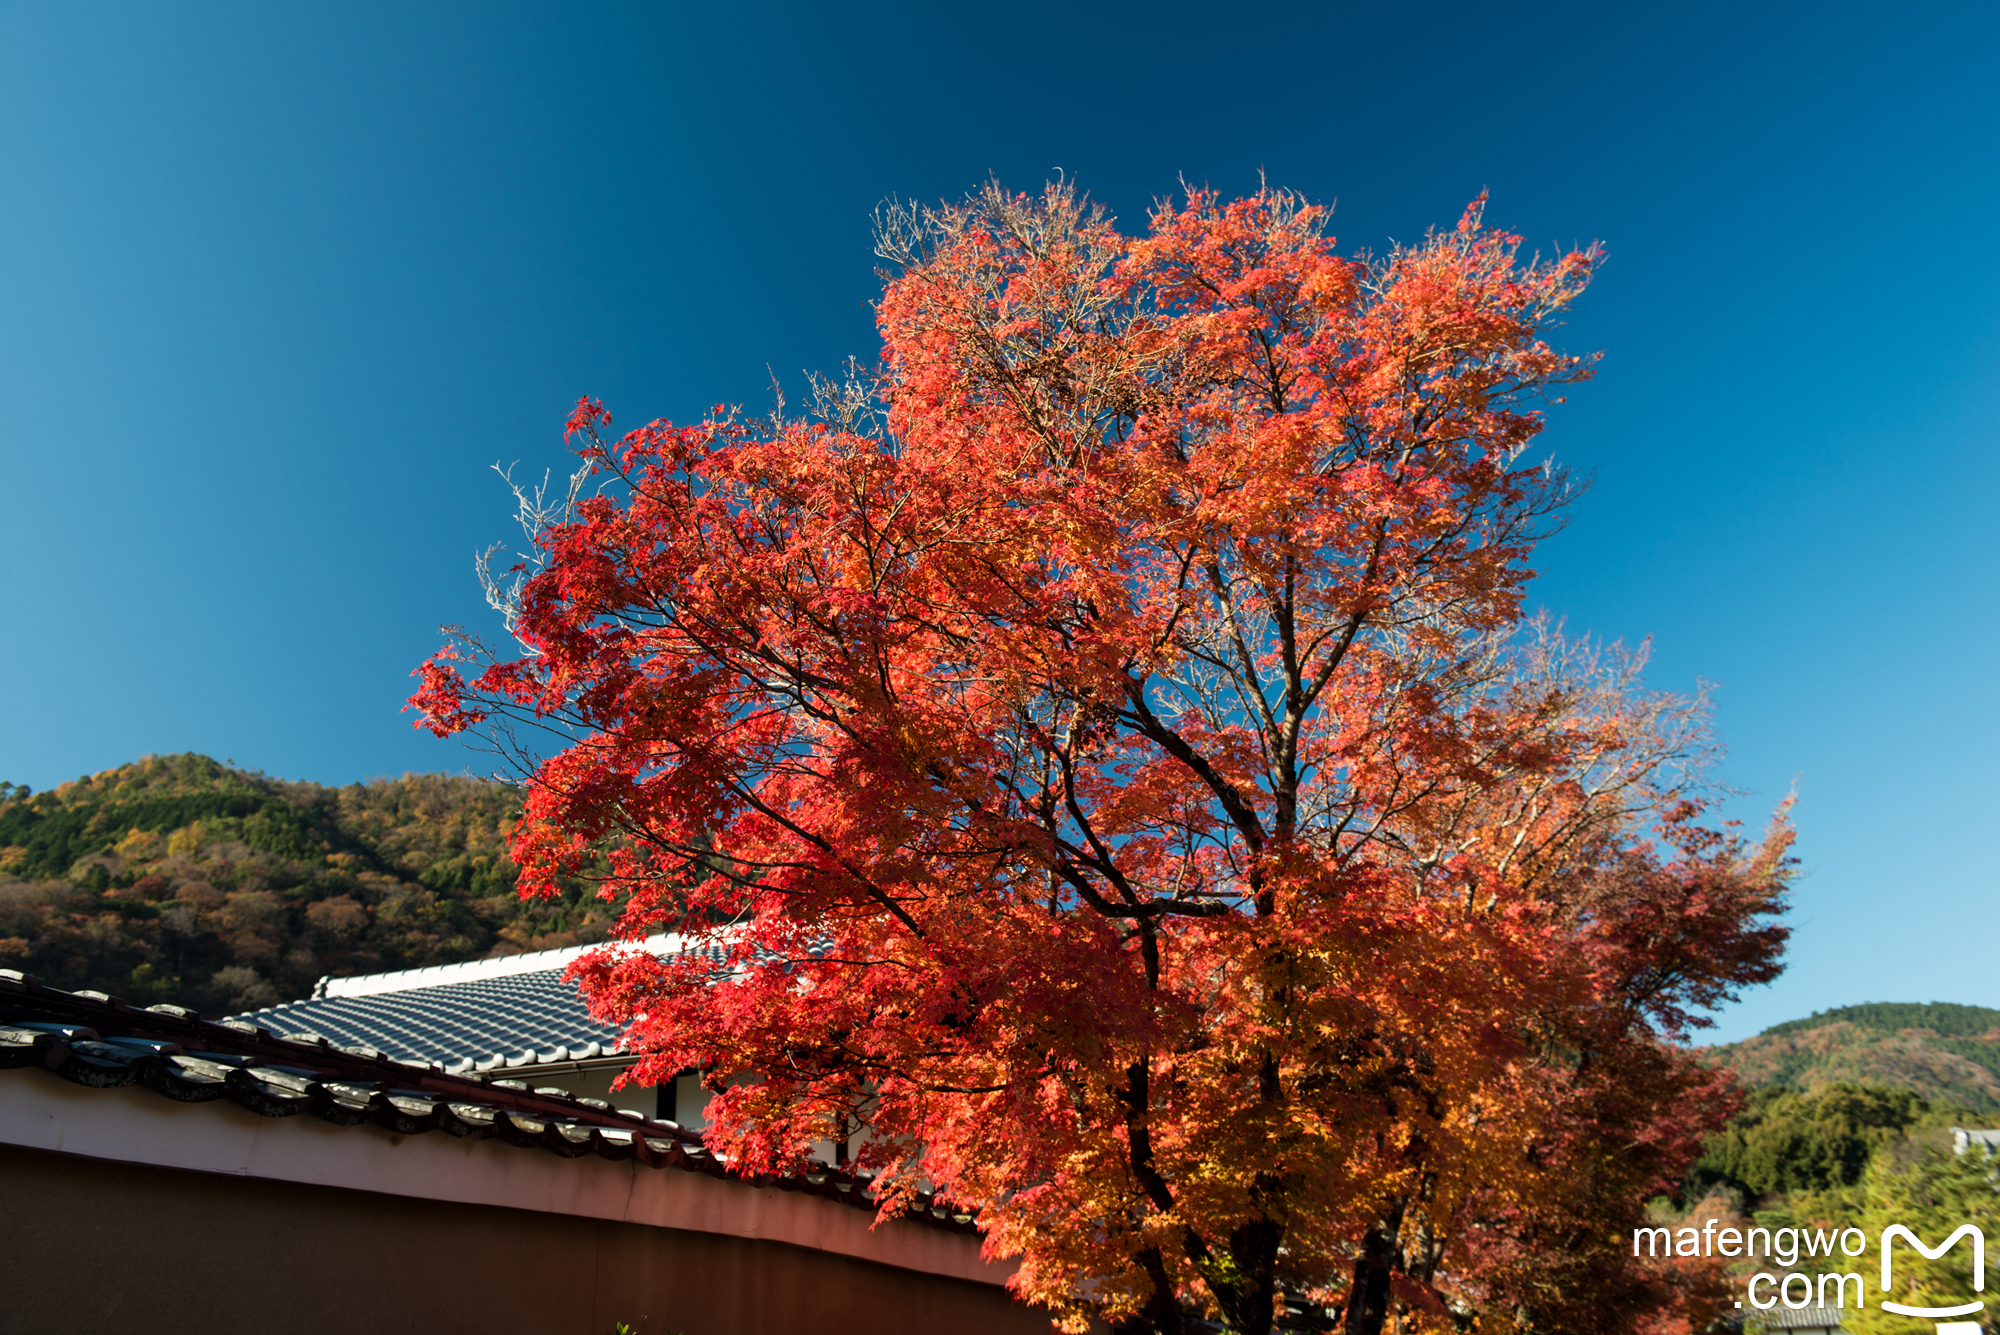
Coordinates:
[1101,753]
[440,700]
[585,417]
[1681,936]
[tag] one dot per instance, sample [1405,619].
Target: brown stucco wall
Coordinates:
[97,1247]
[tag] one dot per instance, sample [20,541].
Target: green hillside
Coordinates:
[1946,1053]
[179,879]
[1848,1125]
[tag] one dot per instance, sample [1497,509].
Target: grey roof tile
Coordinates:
[476,1015]
[515,1020]
[1808,1318]
[99,1042]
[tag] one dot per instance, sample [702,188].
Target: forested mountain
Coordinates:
[1847,1125]
[179,879]
[1945,1053]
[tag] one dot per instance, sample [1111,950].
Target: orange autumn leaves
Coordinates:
[1105,742]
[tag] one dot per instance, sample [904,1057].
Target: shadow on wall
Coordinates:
[313,1259]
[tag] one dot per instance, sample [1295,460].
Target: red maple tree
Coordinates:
[1106,747]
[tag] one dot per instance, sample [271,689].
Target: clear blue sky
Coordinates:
[277,285]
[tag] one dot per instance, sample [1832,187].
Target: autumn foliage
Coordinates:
[1107,742]
[179,879]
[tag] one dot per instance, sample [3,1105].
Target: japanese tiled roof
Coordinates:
[1801,1318]
[100,1042]
[482,1015]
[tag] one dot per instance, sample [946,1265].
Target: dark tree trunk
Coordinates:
[1368,1297]
[1162,1314]
[1247,1307]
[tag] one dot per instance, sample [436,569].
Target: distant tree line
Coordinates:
[1838,1156]
[180,879]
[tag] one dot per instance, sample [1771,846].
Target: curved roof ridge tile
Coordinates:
[437,975]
